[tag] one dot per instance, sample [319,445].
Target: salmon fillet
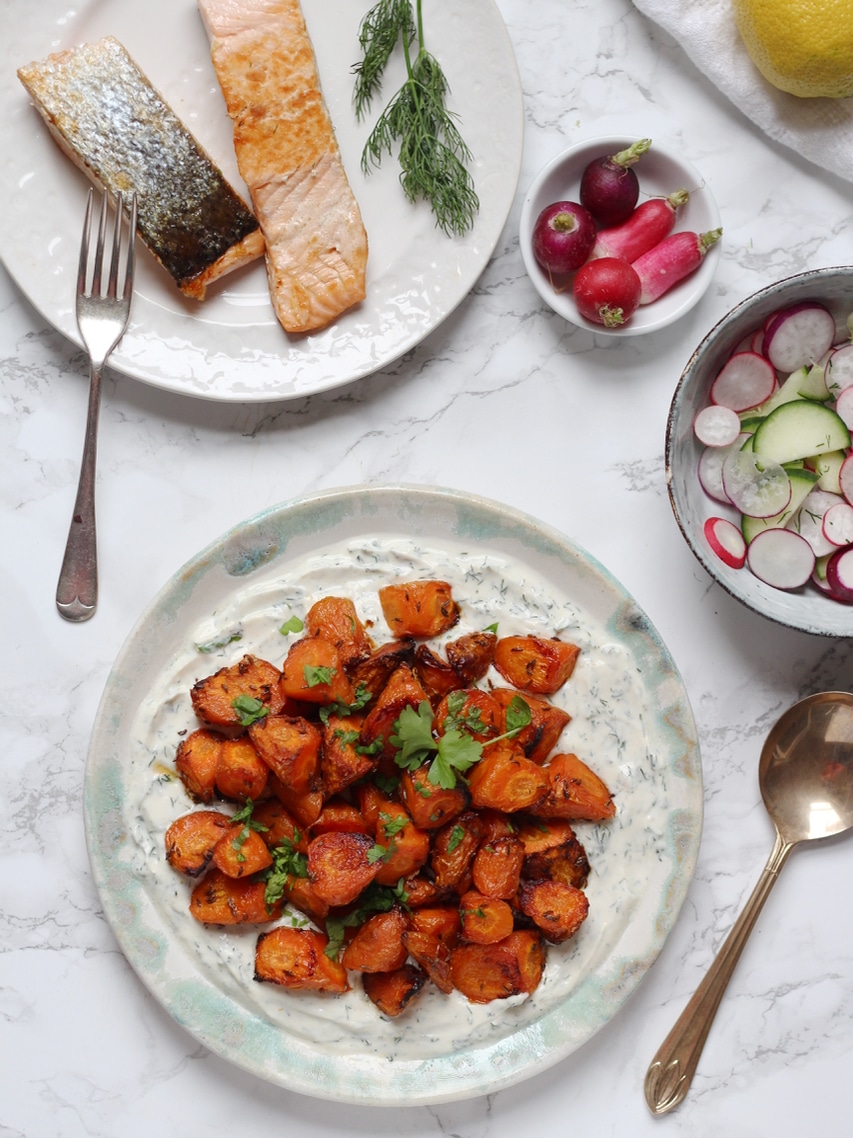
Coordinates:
[106,116]
[288,156]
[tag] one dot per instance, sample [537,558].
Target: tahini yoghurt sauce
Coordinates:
[604,697]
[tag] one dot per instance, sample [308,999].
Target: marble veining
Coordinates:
[503,400]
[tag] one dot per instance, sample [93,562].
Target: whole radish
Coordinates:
[646,227]
[673,259]
[609,187]
[607,291]
[563,237]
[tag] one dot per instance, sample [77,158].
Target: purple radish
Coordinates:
[798,336]
[838,373]
[746,380]
[781,558]
[727,541]
[671,260]
[754,485]
[646,227]
[839,575]
[563,237]
[609,187]
[716,426]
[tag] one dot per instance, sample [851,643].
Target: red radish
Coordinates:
[810,520]
[645,228]
[781,558]
[711,469]
[727,541]
[799,335]
[563,237]
[839,575]
[607,291]
[744,381]
[838,524]
[671,260]
[609,187]
[839,369]
[755,486]
[716,426]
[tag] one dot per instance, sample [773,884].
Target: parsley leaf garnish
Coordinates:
[292,625]
[315,675]
[374,899]
[413,736]
[249,710]
[287,862]
[363,696]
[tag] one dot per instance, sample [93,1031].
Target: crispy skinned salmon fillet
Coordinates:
[109,120]
[288,156]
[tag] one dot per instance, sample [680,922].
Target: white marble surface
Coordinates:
[505,401]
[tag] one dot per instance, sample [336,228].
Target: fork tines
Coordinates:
[96,286]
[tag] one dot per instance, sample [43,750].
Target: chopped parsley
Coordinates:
[292,625]
[249,710]
[374,899]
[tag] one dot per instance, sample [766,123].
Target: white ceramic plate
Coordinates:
[231,347]
[631,720]
[660,171]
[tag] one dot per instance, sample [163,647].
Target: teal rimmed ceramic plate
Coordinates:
[631,721]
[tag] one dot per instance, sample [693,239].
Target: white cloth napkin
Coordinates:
[821,130]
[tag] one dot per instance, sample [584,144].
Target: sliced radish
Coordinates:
[716,426]
[756,344]
[710,468]
[727,541]
[744,381]
[844,407]
[755,486]
[839,575]
[845,478]
[839,369]
[798,335]
[838,524]
[781,558]
[808,522]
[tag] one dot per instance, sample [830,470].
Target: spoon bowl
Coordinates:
[806,778]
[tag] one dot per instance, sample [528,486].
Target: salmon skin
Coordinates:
[288,156]
[109,120]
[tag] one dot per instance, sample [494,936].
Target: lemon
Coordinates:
[804,47]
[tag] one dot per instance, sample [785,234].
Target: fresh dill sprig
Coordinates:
[432,154]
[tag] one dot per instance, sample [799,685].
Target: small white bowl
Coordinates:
[806,609]
[661,171]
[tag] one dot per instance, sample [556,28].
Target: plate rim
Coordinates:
[509,1062]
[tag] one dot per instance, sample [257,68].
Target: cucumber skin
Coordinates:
[800,429]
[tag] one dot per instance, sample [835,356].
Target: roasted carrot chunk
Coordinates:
[435,674]
[191,840]
[314,673]
[537,834]
[340,866]
[432,954]
[486,972]
[566,862]
[290,748]
[222,900]
[420,608]
[303,805]
[241,773]
[496,871]
[241,851]
[574,792]
[278,824]
[470,710]
[196,761]
[408,847]
[470,656]
[402,690]
[453,850]
[335,619]
[378,945]
[538,739]
[339,817]
[428,804]
[344,760]
[442,921]
[422,890]
[299,892]
[505,780]
[485,920]
[392,992]
[296,958]
[557,909]
[227,696]
[535,664]
[371,675]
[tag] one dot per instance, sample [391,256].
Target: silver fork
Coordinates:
[102,319]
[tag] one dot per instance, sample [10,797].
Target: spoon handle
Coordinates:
[671,1071]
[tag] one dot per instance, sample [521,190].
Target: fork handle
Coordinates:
[77,589]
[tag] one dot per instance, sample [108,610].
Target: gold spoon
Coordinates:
[806,780]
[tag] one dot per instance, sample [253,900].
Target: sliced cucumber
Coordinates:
[828,468]
[813,385]
[802,482]
[800,429]
[788,391]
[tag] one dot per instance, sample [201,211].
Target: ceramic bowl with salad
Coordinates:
[759,459]
[620,236]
